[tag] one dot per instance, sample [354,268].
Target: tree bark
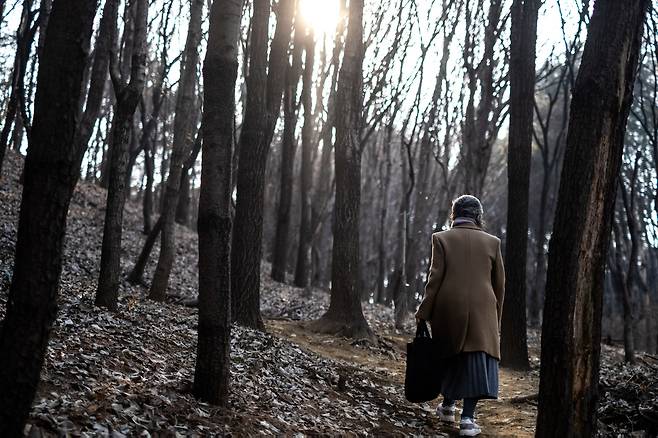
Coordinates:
[399,282]
[51,171]
[183,207]
[514,344]
[99,72]
[345,315]
[623,288]
[211,374]
[24,39]
[127,96]
[136,275]
[535,305]
[478,137]
[302,271]
[183,138]
[384,184]
[149,132]
[264,92]
[571,330]
[147,200]
[632,273]
[288,150]
[323,184]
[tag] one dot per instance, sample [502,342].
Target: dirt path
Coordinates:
[498,418]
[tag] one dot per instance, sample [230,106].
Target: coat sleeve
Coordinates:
[498,282]
[437,270]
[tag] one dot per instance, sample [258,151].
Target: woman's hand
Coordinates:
[418,320]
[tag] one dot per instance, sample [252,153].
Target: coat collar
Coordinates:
[468,225]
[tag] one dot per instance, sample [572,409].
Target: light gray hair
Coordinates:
[467,206]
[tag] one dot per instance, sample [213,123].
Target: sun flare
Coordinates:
[321,15]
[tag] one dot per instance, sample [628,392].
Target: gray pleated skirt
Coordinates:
[470,375]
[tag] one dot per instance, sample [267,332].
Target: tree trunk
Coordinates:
[99,71]
[264,92]
[127,95]
[24,39]
[632,274]
[303,255]
[536,294]
[400,283]
[51,171]
[384,183]
[514,344]
[478,138]
[424,196]
[345,315]
[183,207]
[288,149]
[136,275]
[572,324]
[220,70]
[183,139]
[149,132]
[323,188]
[622,287]
[147,200]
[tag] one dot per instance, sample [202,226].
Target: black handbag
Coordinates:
[422,381]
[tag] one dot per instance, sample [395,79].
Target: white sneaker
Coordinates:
[446,414]
[468,427]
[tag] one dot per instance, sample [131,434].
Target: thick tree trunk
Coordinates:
[264,92]
[183,139]
[246,246]
[211,374]
[345,315]
[128,96]
[303,255]
[571,330]
[288,150]
[51,172]
[514,344]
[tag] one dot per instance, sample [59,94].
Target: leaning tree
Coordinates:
[571,332]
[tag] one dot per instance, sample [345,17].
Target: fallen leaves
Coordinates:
[130,373]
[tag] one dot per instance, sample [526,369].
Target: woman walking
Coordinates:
[463,303]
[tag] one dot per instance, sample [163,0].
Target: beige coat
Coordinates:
[464,292]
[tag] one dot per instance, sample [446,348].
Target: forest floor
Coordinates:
[130,373]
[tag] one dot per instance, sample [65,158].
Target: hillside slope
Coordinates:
[130,373]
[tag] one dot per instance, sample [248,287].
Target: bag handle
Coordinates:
[422,330]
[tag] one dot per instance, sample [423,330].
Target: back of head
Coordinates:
[467,207]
